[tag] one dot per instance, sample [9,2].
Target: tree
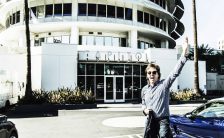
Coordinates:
[28,91]
[202,50]
[196,80]
[220,53]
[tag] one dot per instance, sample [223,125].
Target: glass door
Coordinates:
[114,89]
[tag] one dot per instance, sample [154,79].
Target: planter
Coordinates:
[45,110]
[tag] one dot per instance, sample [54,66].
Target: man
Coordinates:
[155,95]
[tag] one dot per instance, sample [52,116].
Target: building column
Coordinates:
[74,35]
[132,38]
[75,12]
[134,15]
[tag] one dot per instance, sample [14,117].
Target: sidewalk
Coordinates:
[128,107]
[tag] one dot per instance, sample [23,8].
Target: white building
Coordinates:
[221,43]
[102,45]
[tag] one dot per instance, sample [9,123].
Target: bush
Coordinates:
[184,95]
[60,96]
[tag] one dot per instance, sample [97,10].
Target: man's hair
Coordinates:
[153,65]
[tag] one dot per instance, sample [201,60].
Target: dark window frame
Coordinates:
[57,9]
[49,10]
[101,10]
[140,17]
[91,9]
[111,11]
[67,9]
[128,14]
[120,12]
[82,9]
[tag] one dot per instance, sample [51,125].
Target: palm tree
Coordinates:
[28,92]
[196,80]
[220,53]
[202,51]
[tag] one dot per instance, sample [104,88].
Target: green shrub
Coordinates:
[183,95]
[61,96]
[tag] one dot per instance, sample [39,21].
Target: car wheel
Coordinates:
[13,135]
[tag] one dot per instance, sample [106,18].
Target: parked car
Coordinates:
[7,128]
[206,121]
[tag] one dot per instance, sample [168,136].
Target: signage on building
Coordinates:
[111,56]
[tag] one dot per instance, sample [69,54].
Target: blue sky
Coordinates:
[210,21]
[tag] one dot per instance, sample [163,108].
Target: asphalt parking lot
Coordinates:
[102,122]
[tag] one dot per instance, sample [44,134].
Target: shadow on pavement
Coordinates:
[45,110]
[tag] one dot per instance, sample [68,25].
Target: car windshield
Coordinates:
[213,109]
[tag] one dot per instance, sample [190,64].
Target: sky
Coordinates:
[210,22]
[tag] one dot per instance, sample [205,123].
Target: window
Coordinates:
[161,24]
[164,4]
[10,19]
[84,40]
[65,39]
[58,10]
[152,19]
[7,23]
[13,18]
[140,16]
[90,40]
[164,26]
[110,11]
[99,40]
[142,45]
[57,39]
[146,18]
[81,82]
[101,10]
[108,41]
[90,69]
[49,10]
[99,69]
[136,70]
[33,12]
[50,40]
[146,45]
[82,9]
[42,40]
[120,12]
[36,42]
[100,87]
[40,11]
[81,69]
[17,16]
[128,14]
[115,41]
[139,44]
[157,21]
[123,42]
[128,70]
[67,9]
[91,9]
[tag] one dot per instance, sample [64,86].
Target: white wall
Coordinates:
[211,81]
[13,62]
[36,67]
[59,66]
[166,59]
[220,82]
[186,78]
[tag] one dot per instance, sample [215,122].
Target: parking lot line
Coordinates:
[127,136]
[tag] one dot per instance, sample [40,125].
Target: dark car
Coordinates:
[206,121]
[7,128]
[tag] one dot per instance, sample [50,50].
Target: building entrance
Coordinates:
[114,89]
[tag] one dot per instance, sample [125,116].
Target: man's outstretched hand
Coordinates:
[185,47]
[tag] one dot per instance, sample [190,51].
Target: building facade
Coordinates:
[221,43]
[98,45]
